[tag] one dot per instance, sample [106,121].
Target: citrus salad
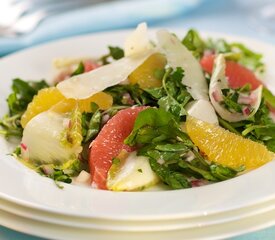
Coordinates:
[177,112]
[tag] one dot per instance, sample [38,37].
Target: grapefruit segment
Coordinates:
[237,74]
[109,143]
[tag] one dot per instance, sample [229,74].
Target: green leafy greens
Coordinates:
[259,128]
[160,138]
[22,94]
[173,95]
[80,69]
[114,53]
[194,43]
[234,51]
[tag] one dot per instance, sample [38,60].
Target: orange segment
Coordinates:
[52,98]
[103,100]
[44,99]
[226,148]
[144,75]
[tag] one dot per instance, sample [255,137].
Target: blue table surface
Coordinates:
[219,16]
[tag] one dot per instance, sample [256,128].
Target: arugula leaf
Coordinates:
[80,69]
[22,94]
[194,43]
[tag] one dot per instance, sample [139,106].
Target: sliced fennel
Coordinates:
[218,82]
[131,173]
[179,56]
[52,138]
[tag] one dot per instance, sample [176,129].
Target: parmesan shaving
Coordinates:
[179,56]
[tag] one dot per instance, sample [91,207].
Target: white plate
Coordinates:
[130,226]
[24,187]
[219,231]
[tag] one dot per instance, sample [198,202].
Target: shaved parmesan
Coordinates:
[179,56]
[137,42]
[202,110]
[87,84]
[218,82]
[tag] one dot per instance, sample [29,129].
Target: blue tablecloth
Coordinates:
[234,17]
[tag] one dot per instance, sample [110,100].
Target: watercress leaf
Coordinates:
[80,69]
[153,125]
[153,117]
[116,52]
[22,94]
[177,75]
[38,85]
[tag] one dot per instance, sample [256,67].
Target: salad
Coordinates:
[177,112]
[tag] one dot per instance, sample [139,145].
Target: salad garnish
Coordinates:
[151,113]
